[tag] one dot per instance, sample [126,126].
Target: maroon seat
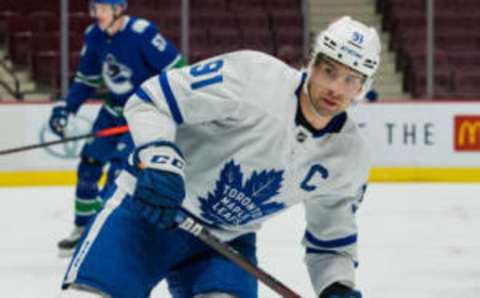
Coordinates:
[292,36]
[7,8]
[198,53]
[47,20]
[464,59]
[208,5]
[47,68]
[259,39]
[136,5]
[78,6]
[257,20]
[443,82]
[283,5]
[228,38]
[166,20]
[456,42]
[467,84]
[168,5]
[79,22]
[173,35]
[7,5]
[291,55]
[213,19]
[245,6]
[26,7]
[268,48]
[20,30]
[199,44]
[286,19]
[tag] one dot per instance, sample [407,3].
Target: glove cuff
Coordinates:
[160,155]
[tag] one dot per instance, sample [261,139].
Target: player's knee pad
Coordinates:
[89,173]
[116,165]
[89,169]
[79,291]
[215,295]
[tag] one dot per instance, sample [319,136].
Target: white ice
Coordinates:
[416,240]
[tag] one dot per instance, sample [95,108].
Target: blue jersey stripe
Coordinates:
[348,240]
[171,101]
[143,95]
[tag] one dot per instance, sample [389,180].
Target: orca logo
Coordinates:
[68,150]
[117,76]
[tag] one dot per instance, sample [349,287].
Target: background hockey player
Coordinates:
[121,51]
[232,141]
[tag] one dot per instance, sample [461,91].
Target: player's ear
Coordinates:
[118,10]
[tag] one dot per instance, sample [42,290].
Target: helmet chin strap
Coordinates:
[306,91]
[115,18]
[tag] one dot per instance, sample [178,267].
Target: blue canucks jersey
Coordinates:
[122,61]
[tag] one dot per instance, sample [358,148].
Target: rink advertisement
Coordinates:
[27,124]
[422,140]
[409,141]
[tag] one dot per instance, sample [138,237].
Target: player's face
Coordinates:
[104,13]
[333,87]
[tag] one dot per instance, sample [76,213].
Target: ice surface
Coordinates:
[416,240]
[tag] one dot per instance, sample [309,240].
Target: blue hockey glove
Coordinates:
[337,290]
[160,186]
[59,120]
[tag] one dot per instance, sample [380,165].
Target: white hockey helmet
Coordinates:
[353,44]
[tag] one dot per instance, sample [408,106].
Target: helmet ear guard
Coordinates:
[352,44]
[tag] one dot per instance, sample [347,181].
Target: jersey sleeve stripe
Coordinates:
[310,250]
[171,101]
[348,240]
[177,62]
[143,95]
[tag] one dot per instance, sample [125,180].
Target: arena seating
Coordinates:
[31,29]
[457,43]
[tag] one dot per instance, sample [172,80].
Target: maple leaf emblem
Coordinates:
[234,203]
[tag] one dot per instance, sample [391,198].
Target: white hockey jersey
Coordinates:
[234,118]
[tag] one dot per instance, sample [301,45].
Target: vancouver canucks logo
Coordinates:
[116,75]
[234,202]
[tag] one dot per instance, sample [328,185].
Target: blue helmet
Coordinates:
[112,2]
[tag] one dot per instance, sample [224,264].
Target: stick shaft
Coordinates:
[99,134]
[191,226]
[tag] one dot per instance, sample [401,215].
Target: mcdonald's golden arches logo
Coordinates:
[467,133]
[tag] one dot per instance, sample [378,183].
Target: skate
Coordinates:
[66,246]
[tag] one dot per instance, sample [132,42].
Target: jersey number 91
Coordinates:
[207,73]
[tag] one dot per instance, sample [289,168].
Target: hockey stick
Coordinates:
[190,225]
[99,134]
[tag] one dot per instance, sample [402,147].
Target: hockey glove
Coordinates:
[59,120]
[160,186]
[337,290]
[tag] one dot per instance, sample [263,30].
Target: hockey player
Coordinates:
[231,141]
[122,51]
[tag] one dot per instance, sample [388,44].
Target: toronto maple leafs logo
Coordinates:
[235,203]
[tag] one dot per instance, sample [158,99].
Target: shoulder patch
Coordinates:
[89,29]
[140,25]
